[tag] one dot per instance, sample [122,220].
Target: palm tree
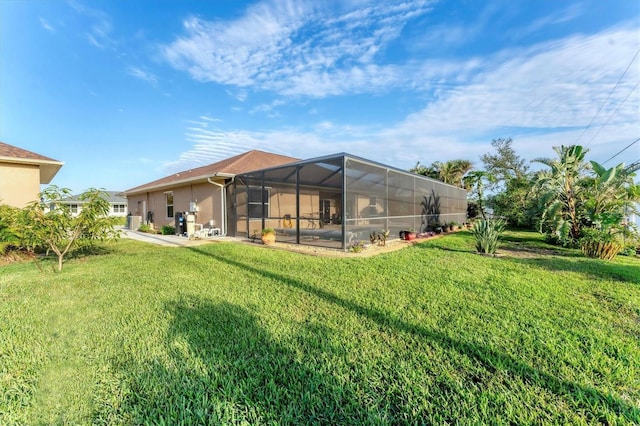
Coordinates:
[561,193]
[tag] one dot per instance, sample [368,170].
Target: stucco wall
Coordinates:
[19,184]
[206,195]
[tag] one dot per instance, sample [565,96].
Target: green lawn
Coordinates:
[241,334]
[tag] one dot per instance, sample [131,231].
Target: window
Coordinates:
[119,208]
[256,195]
[169,196]
[73,208]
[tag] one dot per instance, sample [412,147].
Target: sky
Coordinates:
[126,92]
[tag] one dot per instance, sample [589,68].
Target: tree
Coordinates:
[505,164]
[561,192]
[475,182]
[451,172]
[49,223]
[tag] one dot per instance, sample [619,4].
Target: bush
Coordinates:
[487,232]
[144,228]
[600,244]
[357,246]
[168,230]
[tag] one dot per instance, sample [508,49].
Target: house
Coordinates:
[21,174]
[116,199]
[327,201]
[202,191]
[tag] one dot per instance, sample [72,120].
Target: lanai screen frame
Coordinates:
[336,200]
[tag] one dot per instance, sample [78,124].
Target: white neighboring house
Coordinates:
[116,199]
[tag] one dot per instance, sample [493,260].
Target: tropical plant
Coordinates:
[49,223]
[487,233]
[600,243]
[451,172]
[475,182]
[561,194]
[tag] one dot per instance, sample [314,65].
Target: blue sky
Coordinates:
[125,92]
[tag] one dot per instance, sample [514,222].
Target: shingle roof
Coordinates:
[116,197]
[242,163]
[48,166]
[11,151]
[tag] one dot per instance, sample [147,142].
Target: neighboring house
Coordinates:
[116,199]
[21,174]
[201,190]
[328,201]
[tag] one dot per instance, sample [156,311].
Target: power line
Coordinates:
[621,151]
[614,113]
[608,96]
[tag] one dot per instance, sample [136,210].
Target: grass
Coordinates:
[237,334]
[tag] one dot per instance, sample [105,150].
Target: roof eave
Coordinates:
[171,185]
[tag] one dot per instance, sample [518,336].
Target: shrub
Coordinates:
[268,231]
[357,246]
[487,232]
[168,230]
[599,243]
[144,228]
[8,231]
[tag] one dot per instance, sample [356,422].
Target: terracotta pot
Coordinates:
[409,235]
[268,239]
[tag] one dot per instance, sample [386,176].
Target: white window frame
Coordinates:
[166,199]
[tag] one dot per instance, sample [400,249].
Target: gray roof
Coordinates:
[113,197]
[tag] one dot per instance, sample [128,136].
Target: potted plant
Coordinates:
[410,235]
[268,236]
[452,226]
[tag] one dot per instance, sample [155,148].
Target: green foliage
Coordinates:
[505,164]
[58,230]
[561,193]
[234,334]
[168,230]
[145,227]
[266,231]
[9,232]
[450,172]
[487,234]
[600,243]
[357,246]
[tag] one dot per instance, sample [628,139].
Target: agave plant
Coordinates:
[487,232]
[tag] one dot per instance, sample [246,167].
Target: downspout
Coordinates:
[223,198]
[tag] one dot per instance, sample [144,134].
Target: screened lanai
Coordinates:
[336,200]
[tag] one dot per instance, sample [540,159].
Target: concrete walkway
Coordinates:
[169,240]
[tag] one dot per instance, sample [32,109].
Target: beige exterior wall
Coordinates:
[205,195]
[19,184]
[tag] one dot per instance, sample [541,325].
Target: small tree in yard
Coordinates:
[57,230]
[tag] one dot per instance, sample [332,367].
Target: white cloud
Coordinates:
[45,24]
[542,96]
[295,47]
[99,34]
[143,75]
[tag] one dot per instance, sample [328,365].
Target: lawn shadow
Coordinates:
[224,368]
[599,269]
[585,398]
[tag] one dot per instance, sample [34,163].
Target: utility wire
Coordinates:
[608,96]
[614,113]
[621,151]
